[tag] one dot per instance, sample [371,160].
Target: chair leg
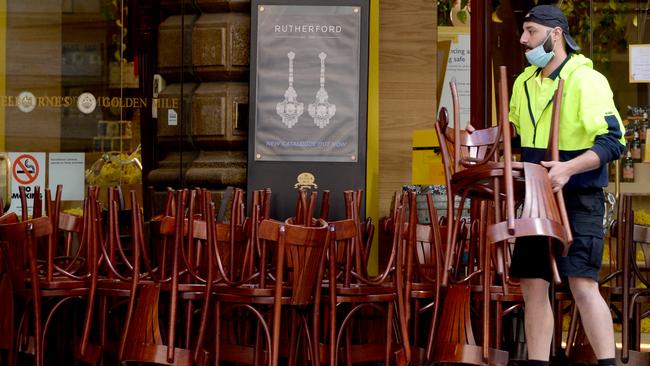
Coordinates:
[189,309]
[38,332]
[259,356]
[294,334]
[636,335]
[217,331]
[332,332]
[498,324]
[389,331]
[7,313]
[573,330]
[103,311]
[348,343]
[313,341]
[556,346]
[415,358]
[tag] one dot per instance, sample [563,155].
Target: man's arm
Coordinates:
[561,171]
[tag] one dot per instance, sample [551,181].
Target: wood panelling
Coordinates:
[33,64]
[407,87]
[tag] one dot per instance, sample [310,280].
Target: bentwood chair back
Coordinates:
[38,274]
[423,257]
[353,295]
[143,340]
[290,266]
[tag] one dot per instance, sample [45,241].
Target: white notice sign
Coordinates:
[172,118]
[67,169]
[639,63]
[458,69]
[27,170]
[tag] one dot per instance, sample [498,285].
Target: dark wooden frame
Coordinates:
[280,176]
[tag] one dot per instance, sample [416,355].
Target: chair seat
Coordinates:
[468,354]
[364,293]
[422,286]
[422,290]
[618,291]
[250,294]
[157,353]
[478,182]
[62,282]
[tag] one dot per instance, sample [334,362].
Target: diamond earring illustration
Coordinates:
[290,109]
[322,110]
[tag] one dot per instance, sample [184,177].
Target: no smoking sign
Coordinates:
[26,169]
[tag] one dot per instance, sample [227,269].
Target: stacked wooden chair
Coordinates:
[44,277]
[624,286]
[479,166]
[289,262]
[353,297]
[422,268]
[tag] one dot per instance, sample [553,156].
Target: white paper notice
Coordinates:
[639,63]
[67,169]
[458,69]
[172,118]
[27,170]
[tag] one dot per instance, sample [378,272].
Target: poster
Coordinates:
[67,169]
[307,83]
[458,69]
[639,63]
[27,170]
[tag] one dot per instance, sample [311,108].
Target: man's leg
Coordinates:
[595,316]
[538,321]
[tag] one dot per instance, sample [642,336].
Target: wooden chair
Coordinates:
[7,302]
[130,276]
[464,154]
[498,184]
[624,286]
[36,279]
[106,272]
[636,283]
[289,279]
[351,293]
[142,340]
[543,212]
[63,271]
[423,275]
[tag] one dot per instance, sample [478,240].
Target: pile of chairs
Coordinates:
[472,291]
[198,284]
[189,287]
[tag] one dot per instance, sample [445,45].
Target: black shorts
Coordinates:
[585,208]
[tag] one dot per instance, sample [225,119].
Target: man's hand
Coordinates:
[559,173]
[469,128]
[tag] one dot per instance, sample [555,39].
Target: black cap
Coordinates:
[552,16]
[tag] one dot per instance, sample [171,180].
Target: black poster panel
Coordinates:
[308,110]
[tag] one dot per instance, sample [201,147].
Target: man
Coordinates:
[590,136]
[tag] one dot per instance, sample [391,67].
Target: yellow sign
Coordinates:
[305,180]
[427,168]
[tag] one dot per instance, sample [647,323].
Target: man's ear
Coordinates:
[558,34]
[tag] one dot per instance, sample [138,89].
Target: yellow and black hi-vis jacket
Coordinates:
[588,119]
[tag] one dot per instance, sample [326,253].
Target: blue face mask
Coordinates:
[538,55]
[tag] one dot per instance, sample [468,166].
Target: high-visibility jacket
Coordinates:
[588,119]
